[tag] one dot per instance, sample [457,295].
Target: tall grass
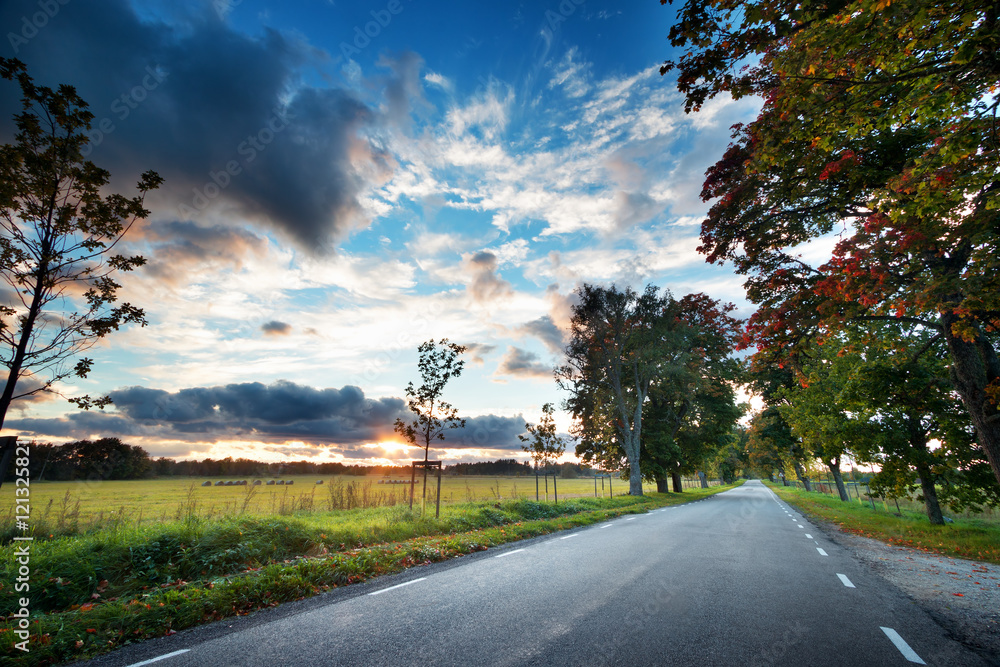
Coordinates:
[976,538]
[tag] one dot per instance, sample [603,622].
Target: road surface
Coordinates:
[739,578]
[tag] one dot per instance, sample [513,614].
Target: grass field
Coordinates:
[66,508]
[975,538]
[93,592]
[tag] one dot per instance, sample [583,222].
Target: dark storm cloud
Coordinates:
[477,352]
[79,425]
[545,330]
[486,285]
[485,432]
[279,410]
[522,363]
[223,116]
[184,247]
[342,417]
[276,328]
[633,208]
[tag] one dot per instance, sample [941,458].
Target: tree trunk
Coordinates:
[704,481]
[661,485]
[770,475]
[634,480]
[678,484]
[800,474]
[834,467]
[974,367]
[930,494]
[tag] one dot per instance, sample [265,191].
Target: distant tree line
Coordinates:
[518,468]
[107,458]
[112,459]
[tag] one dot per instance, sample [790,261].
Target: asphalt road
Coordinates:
[736,579]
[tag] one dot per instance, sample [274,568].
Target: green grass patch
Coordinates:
[975,539]
[96,592]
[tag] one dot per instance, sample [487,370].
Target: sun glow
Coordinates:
[393,449]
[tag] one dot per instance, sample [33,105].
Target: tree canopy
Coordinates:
[877,133]
[438,363]
[631,353]
[58,235]
[544,443]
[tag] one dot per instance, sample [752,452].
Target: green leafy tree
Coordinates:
[612,358]
[692,402]
[771,439]
[730,460]
[879,122]
[438,363]
[768,437]
[544,445]
[827,428]
[921,438]
[58,236]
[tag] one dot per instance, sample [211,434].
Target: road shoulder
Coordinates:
[962,596]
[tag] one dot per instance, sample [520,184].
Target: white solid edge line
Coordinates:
[903,647]
[509,553]
[845,580]
[821,552]
[405,583]
[162,657]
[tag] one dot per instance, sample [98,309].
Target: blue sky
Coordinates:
[347,179]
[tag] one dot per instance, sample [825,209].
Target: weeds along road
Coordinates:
[737,578]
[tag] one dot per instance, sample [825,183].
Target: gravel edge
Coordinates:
[962,596]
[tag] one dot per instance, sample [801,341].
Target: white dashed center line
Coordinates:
[566,537]
[405,583]
[808,536]
[903,647]
[162,657]
[509,553]
[821,552]
[845,580]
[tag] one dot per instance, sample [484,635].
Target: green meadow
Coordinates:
[67,508]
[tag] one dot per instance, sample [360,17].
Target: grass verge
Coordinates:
[93,594]
[965,538]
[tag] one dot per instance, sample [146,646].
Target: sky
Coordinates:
[345,180]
